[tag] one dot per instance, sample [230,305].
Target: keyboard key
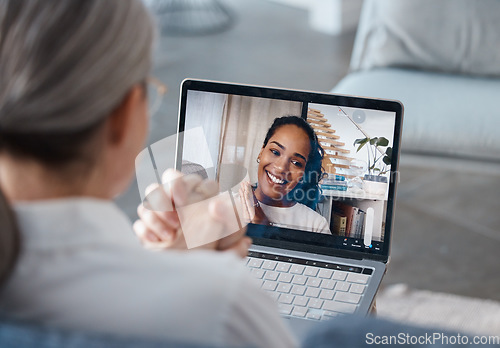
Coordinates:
[325,273]
[328,284]
[313,315]
[300,301]
[283,267]
[357,288]
[284,287]
[347,297]
[339,275]
[330,315]
[297,269]
[299,312]
[311,271]
[327,294]
[257,272]
[255,263]
[285,309]
[269,285]
[298,290]
[339,307]
[268,264]
[271,275]
[312,292]
[315,303]
[314,282]
[274,295]
[342,286]
[285,277]
[299,279]
[285,298]
[358,278]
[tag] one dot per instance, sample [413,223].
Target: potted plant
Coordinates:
[379,163]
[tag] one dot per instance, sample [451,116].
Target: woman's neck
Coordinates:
[28,180]
[282,203]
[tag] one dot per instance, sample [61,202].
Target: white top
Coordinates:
[298,216]
[82,268]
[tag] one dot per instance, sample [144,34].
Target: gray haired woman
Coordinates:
[73,116]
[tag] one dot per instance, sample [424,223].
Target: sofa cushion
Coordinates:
[444,114]
[460,36]
[361,332]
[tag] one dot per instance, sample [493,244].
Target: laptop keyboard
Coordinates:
[309,289]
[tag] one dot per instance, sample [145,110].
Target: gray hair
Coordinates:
[65,65]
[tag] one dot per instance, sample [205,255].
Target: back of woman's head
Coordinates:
[307,192]
[65,65]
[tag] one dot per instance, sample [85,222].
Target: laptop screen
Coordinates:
[318,172]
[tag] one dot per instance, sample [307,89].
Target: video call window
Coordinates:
[350,200]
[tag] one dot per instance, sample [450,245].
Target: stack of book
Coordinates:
[333,182]
[347,220]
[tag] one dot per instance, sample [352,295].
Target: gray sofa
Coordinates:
[343,332]
[442,60]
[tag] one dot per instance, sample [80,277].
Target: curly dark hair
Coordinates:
[307,191]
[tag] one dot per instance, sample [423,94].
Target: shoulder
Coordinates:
[317,221]
[304,209]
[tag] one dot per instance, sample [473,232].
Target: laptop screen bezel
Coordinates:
[305,97]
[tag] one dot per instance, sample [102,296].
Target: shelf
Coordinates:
[335,149]
[319,124]
[353,195]
[345,158]
[314,111]
[315,117]
[322,129]
[328,135]
[329,141]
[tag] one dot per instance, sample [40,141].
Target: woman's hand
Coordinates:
[159,226]
[251,207]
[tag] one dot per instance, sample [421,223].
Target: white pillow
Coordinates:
[459,36]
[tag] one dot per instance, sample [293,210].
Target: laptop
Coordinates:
[313,274]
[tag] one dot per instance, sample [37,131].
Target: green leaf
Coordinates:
[361,142]
[382,141]
[373,141]
[388,156]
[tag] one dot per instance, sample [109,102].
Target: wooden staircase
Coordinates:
[335,154]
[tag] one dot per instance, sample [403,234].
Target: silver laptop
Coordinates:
[313,272]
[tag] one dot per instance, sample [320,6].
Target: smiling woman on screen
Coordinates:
[288,174]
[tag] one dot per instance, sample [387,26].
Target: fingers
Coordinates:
[143,234]
[147,238]
[157,226]
[221,209]
[173,202]
[241,247]
[157,199]
[174,186]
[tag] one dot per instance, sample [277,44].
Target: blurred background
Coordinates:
[446,236]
